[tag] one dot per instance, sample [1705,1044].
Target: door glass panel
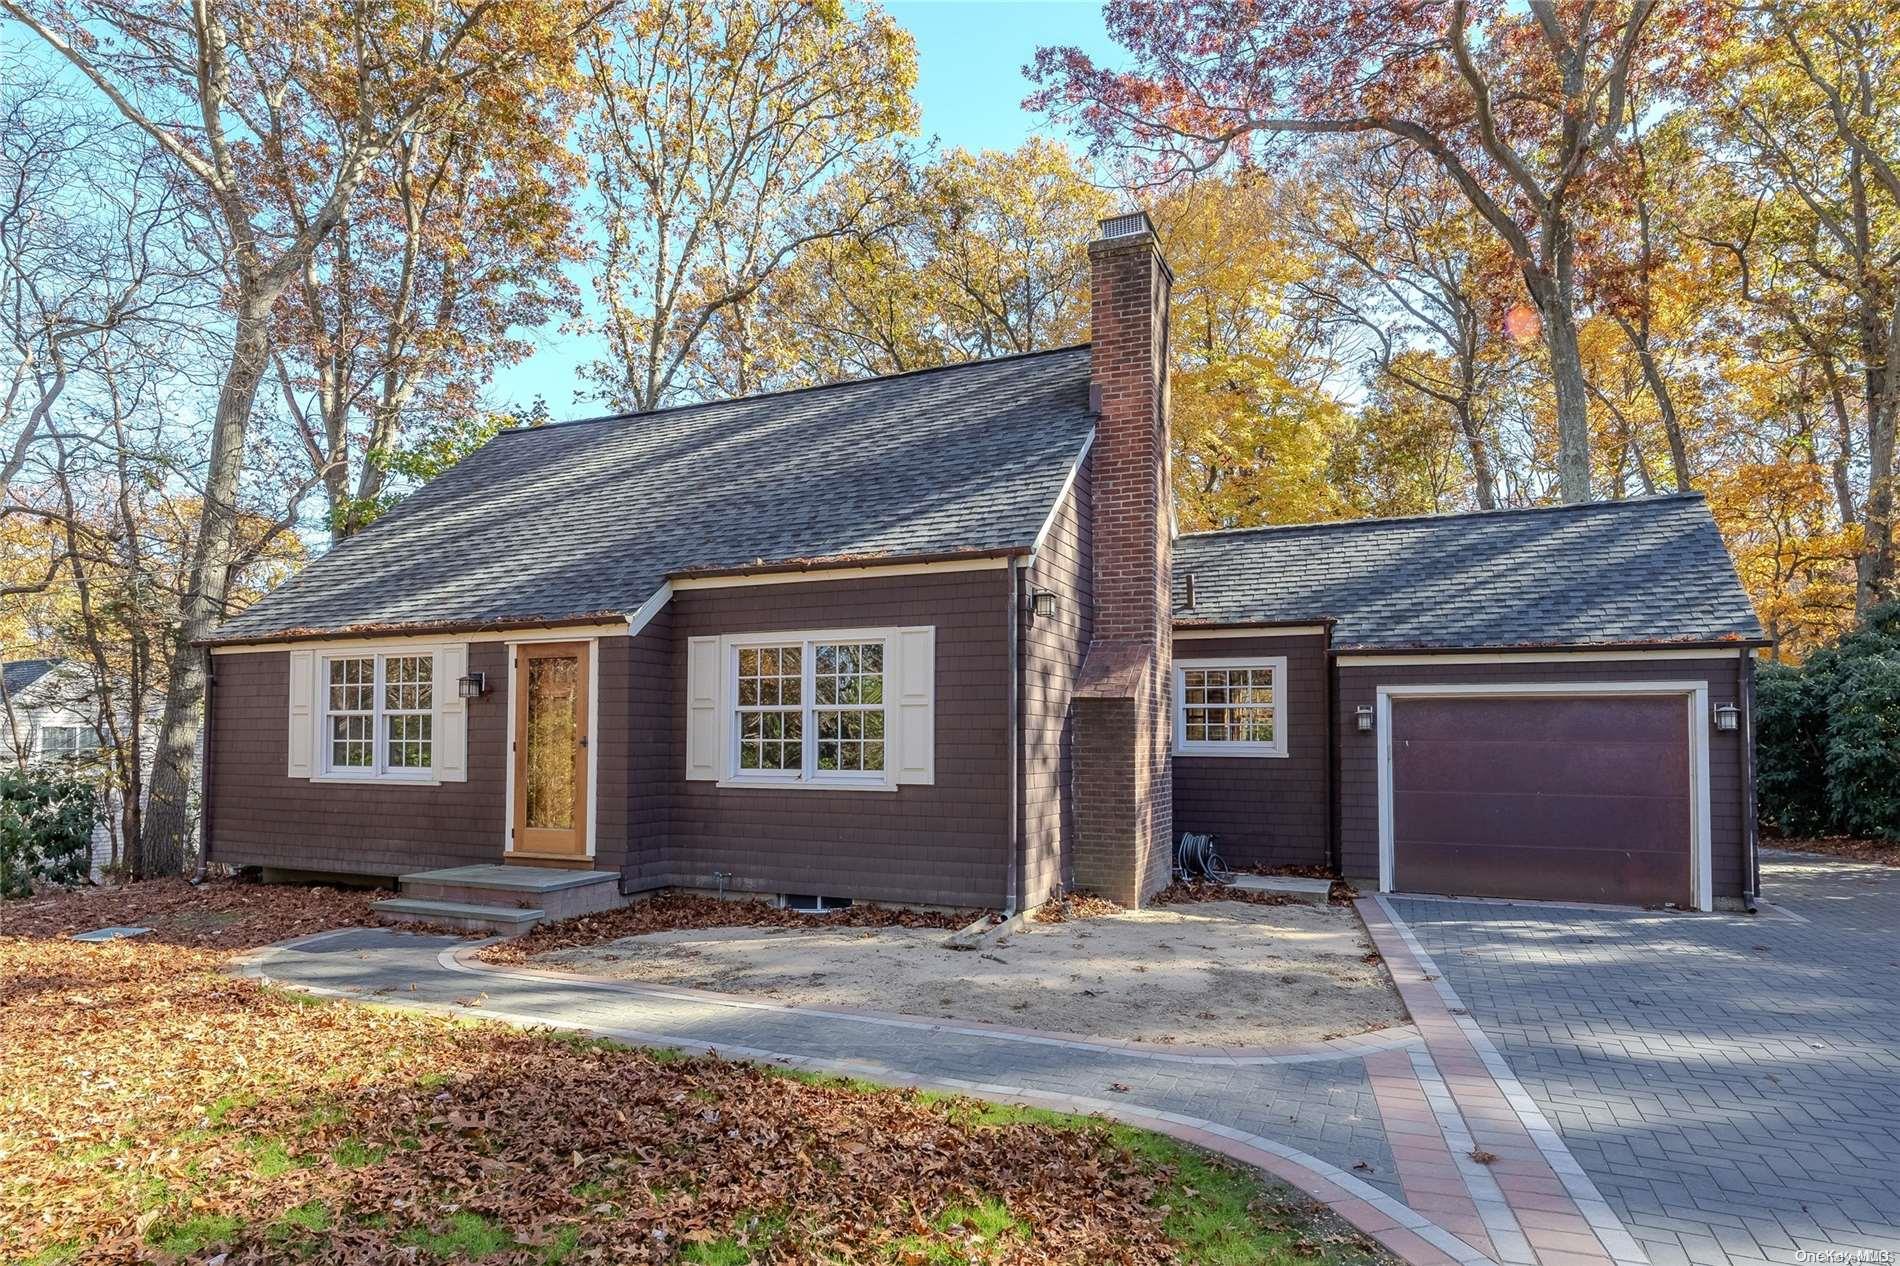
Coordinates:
[553,715]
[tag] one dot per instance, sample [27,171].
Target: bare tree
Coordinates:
[274,122]
[1412,279]
[722,140]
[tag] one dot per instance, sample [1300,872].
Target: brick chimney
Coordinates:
[1123,780]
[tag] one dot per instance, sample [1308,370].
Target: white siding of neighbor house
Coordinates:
[46,704]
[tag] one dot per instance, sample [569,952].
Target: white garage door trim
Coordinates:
[1695,698]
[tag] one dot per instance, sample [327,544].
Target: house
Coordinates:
[49,718]
[931,639]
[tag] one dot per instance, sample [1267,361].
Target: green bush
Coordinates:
[1827,736]
[46,823]
[1791,749]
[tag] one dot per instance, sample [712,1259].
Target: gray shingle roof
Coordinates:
[590,517]
[21,673]
[1607,573]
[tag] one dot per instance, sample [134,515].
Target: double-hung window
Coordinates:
[65,742]
[378,716]
[809,710]
[1230,707]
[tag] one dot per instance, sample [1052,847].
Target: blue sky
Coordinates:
[970,88]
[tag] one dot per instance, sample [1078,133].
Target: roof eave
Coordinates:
[1720,643]
[418,628]
[1196,622]
[847,562]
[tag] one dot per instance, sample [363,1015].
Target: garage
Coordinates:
[1565,793]
[1551,703]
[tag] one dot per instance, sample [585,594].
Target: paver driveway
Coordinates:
[1732,1085]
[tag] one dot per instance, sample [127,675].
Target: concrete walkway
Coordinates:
[1419,1136]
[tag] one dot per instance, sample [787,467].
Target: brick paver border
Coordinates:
[1530,1169]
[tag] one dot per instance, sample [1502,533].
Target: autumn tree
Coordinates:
[987,256]
[454,246]
[273,123]
[1255,415]
[1804,141]
[721,140]
[1521,109]
[1415,272]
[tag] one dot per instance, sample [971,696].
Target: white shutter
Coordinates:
[917,705]
[702,709]
[303,727]
[451,714]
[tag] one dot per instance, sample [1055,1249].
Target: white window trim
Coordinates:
[80,732]
[810,777]
[1183,746]
[1694,693]
[324,771]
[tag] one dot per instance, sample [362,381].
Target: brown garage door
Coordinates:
[1556,798]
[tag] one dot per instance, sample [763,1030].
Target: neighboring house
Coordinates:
[48,718]
[930,638]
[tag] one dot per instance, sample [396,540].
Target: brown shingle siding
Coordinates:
[943,844]
[264,817]
[1052,652]
[1272,810]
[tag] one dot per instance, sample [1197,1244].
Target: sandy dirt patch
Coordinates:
[1210,973]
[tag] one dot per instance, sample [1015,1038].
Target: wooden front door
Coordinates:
[550,751]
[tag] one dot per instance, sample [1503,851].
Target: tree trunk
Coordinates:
[168,819]
[1483,473]
[1573,400]
[1665,402]
[1876,559]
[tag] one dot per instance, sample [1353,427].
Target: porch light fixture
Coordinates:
[473,686]
[1364,717]
[1727,716]
[1042,604]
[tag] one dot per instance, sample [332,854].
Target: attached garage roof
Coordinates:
[586,520]
[1610,573]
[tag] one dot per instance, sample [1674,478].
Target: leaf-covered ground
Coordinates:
[1881,852]
[153,1107]
[221,914]
[670,912]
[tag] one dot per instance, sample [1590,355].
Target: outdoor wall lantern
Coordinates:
[1727,716]
[1042,604]
[1365,718]
[473,686]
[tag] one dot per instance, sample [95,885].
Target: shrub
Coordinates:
[1791,749]
[46,823]
[1863,747]
[1827,735]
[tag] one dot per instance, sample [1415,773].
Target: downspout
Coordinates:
[1014,880]
[1751,827]
[204,789]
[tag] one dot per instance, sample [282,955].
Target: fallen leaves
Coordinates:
[1881,852]
[223,914]
[1077,906]
[670,912]
[198,1113]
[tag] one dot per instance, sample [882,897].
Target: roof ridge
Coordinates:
[792,391]
[1502,512]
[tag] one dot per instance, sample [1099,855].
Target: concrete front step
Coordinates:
[464,916]
[557,893]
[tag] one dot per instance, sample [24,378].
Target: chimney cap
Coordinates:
[1127,224]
